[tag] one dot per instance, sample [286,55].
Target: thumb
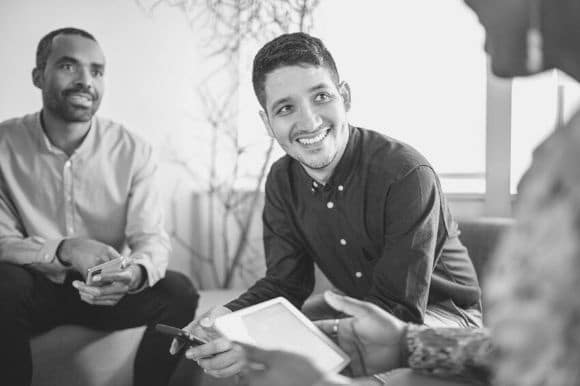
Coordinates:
[347,304]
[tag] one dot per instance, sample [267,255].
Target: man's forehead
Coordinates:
[76,46]
[287,80]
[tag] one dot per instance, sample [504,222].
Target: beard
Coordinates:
[57,104]
[316,162]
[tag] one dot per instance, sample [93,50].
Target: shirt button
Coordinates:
[342,242]
[330,204]
[340,188]
[358,274]
[315,184]
[67,164]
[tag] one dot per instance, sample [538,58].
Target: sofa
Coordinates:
[73,355]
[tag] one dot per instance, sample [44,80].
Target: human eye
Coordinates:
[284,110]
[323,97]
[98,73]
[67,66]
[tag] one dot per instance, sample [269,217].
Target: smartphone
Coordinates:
[114,265]
[182,336]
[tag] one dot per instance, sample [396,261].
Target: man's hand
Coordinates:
[106,295]
[83,254]
[115,285]
[219,357]
[371,337]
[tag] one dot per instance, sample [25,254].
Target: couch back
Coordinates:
[481,236]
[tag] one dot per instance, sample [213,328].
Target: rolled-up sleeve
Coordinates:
[145,233]
[403,273]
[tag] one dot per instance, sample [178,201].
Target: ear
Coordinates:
[37,78]
[344,90]
[266,122]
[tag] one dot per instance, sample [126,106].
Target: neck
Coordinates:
[67,136]
[323,175]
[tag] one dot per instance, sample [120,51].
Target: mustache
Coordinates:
[81,90]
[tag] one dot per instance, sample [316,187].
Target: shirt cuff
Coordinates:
[47,253]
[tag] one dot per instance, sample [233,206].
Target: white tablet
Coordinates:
[277,325]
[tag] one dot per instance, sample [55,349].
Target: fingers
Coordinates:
[115,288]
[125,276]
[226,363]
[111,253]
[176,346]
[347,304]
[108,301]
[329,326]
[215,347]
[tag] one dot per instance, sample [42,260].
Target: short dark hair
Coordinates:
[289,50]
[45,45]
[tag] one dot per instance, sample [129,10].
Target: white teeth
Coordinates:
[313,140]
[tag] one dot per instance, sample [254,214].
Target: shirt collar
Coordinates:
[45,143]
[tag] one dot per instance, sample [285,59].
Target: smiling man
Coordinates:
[75,190]
[366,208]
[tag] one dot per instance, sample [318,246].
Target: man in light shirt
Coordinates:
[76,191]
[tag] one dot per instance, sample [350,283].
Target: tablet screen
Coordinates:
[277,325]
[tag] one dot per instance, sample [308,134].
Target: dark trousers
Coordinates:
[31,304]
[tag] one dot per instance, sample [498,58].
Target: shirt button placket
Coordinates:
[68,195]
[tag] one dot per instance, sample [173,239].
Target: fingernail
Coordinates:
[75,284]
[97,278]
[206,322]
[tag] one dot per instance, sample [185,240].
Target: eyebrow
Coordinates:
[317,87]
[62,59]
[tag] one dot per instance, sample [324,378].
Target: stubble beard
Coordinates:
[58,106]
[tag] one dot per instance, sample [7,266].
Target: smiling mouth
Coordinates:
[80,99]
[314,140]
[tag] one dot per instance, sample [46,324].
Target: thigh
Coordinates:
[29,296]
[447,314]
[144,308]
[407,377]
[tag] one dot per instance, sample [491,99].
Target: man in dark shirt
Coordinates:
[366,208]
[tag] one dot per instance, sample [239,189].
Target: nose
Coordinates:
[309,119]
[84,78]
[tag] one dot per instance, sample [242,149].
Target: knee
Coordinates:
[179,294]
[16,286]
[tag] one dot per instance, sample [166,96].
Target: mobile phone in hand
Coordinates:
[183,336]
[114,265]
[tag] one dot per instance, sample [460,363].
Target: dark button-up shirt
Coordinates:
[380,230]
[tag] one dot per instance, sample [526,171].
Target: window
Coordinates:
[539,104]
[417,72]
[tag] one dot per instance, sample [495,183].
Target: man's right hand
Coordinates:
[219,357]
[83,254]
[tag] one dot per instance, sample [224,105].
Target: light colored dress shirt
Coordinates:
[106,191]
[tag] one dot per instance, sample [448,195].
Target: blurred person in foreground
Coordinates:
[533,285]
